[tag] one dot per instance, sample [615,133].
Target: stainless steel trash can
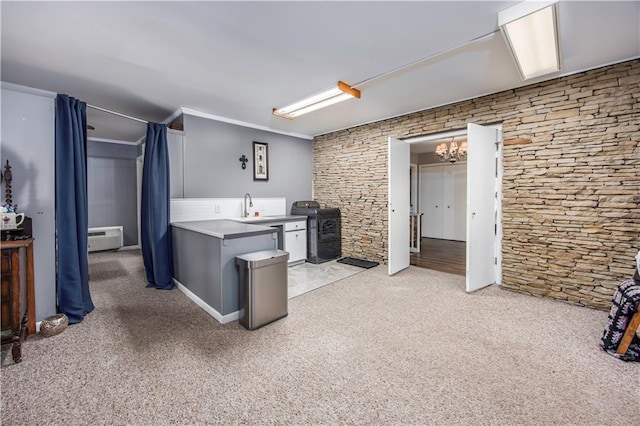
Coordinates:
[263,287]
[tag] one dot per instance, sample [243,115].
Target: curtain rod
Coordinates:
[118,114]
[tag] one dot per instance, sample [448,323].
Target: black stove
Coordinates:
[323,230]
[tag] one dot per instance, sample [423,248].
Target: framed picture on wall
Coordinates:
[260,161]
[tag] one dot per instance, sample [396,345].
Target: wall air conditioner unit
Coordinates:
[105,238]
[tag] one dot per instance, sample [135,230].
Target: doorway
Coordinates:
[442,205]
[481,208]
[448,256]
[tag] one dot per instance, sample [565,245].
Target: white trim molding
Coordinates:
[29,90]
[208,116]
[223,319]
[114,141]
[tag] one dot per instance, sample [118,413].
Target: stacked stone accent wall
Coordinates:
[571,184]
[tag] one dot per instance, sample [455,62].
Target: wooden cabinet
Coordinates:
[443,201]
[18,301]
[295,241]
[6,284]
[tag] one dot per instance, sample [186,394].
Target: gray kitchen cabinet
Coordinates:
[204,261]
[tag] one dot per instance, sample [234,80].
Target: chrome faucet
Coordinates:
[246,210]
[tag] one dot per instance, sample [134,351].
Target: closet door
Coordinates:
[448,203]
[431,201]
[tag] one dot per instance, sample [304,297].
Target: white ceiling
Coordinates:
[240,59]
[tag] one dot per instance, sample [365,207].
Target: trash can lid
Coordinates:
[263,258]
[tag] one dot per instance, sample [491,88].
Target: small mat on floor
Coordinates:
[358,262]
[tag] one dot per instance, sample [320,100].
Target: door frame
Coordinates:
[413,181]
[499,177]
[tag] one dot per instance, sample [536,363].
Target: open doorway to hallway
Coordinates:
[441,255]
[438,193]
[483,209]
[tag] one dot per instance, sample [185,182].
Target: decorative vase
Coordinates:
[53,325]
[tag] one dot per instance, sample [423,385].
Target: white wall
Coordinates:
[28,125]
[111,187]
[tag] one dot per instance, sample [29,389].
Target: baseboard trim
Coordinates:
[222,319]
[125,248]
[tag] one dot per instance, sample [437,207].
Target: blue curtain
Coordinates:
[155,232]
[74,298]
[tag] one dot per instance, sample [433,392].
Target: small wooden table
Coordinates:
[18,298]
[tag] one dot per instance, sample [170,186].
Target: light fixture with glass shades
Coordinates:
[340,93]
[531,31]
[452,152]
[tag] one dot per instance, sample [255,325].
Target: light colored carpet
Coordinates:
[369,349]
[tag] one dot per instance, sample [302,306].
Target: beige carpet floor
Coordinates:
[369,349]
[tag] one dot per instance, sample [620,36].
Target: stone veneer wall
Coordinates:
[571,185]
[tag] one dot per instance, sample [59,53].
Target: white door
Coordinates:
[399,202]
[481,205]
[431,201]
[449,202]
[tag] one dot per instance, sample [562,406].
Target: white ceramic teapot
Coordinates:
[11,220]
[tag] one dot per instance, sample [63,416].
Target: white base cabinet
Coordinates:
[295,241]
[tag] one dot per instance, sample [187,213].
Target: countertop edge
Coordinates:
[249,229]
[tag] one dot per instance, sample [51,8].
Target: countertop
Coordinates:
[269,219]
[224,228]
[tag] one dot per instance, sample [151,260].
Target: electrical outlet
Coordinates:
[218,208]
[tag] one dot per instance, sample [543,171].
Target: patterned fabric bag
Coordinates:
[626,302]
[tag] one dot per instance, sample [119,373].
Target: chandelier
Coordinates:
[453,152]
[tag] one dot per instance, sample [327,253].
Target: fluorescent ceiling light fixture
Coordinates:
[531,31]
[340,93]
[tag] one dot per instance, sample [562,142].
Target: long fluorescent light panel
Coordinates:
[332,96]
[532,38]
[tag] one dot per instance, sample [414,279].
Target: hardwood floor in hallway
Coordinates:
[441,255]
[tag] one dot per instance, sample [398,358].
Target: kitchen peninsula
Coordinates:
[204,255]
